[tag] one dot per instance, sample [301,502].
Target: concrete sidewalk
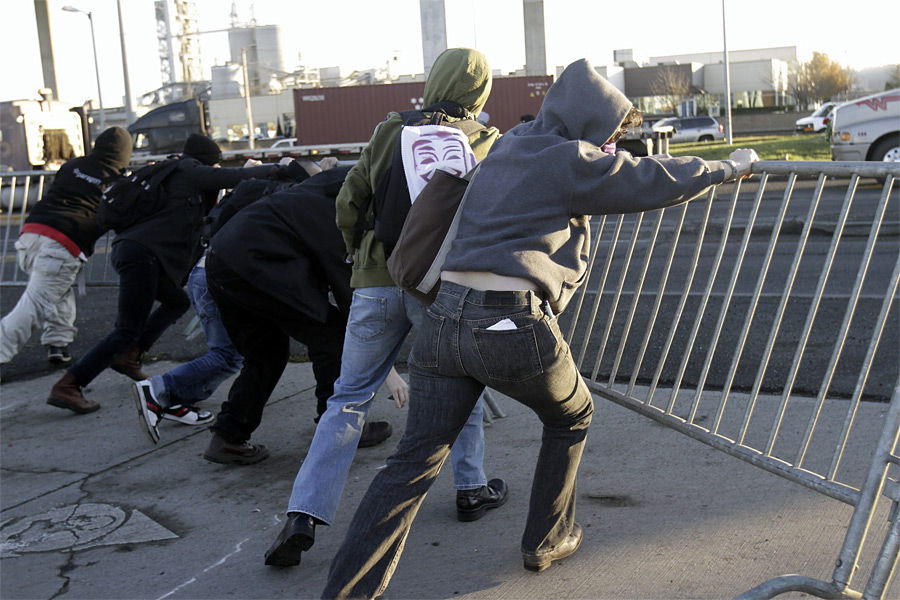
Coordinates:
[91,509]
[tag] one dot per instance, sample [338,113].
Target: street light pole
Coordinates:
[729,133]
[129,103]
[96,64]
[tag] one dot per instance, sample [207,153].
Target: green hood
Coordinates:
[462,75]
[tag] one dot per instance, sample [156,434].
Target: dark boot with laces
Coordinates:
[472,504]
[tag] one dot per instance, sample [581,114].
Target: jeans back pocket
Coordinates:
[510,354]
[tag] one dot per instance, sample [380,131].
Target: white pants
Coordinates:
[49,297]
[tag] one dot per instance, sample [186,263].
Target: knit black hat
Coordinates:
[203,149]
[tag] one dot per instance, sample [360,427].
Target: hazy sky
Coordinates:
[361,34]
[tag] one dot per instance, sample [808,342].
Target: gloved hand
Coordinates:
[743,159]
[329,162]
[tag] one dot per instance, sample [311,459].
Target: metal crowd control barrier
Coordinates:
[761,336]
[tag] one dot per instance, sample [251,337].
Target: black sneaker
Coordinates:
[58,354]
[472,504]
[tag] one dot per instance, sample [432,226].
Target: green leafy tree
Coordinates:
[819,80]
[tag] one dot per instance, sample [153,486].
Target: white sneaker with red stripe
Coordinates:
[187,415]
[149,410]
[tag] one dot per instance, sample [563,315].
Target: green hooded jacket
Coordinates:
[461,75]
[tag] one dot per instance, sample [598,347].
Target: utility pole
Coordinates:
[729,139]
[129,103]
[251,134]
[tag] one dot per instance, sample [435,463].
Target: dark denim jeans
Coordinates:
[462,348]
[141,282]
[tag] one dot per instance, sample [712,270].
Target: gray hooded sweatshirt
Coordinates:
[526,213]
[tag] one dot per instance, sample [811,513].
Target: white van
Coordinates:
[867,128]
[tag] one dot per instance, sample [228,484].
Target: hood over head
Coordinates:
[580,105]
[203,149]
[461,75]
[112,148]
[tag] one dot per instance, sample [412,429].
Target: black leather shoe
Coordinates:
[374,432]
[471,504]
[567,548]
[296,537]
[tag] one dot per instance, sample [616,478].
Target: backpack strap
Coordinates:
[364,222]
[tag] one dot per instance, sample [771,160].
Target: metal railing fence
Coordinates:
[758,325]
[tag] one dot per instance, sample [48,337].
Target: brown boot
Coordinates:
[66,393]
[129,363]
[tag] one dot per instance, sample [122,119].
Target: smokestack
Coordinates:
[434,31]
[535,47]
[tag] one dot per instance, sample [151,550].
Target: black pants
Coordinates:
[260,327]
[141,282]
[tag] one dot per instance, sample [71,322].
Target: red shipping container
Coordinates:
[346,115]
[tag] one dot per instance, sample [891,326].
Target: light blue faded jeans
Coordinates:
[197,380]
[380,319]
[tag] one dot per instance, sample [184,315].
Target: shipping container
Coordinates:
[343,115]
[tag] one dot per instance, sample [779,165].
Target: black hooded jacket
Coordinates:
[69,206]
[173,234]
[286,245]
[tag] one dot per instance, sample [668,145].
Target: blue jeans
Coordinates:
[380,319]
[197,380]
[457,353]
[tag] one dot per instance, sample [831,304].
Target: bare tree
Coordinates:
[672,85]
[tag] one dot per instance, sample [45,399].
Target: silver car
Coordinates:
[692,129]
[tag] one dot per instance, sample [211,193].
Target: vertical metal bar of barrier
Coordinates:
[22,213]
[848,316]
[823,389]
[638,288]
[751,312]
[729,294]
[864,372]
[865,506]
[851,306]
[779,316]
[582,293]
[660,292]
[612,311]
[816,301]
[704,300]
[12,204]
[885,564]
[713,274]
[686,292]
[602,284]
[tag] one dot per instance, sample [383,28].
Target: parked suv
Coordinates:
[692,129]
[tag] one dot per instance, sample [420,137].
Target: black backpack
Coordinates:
[390,200]
[132,199]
